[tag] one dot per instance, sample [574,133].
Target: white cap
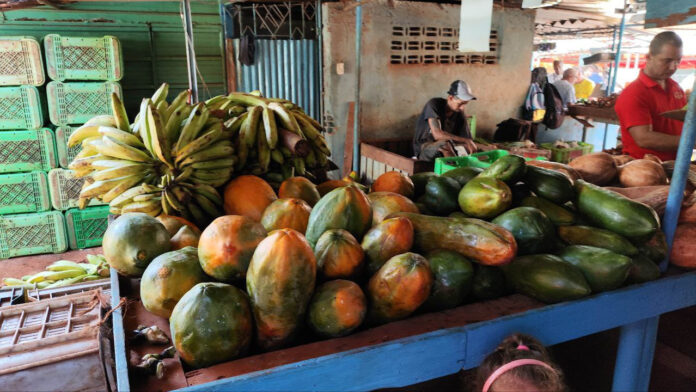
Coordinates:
[461,90]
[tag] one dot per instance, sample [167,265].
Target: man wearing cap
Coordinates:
[443,122]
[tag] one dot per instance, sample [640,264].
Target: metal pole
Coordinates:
[320,57]
[617,60]
[190,52]
[356,112]
[611,68]
[679,176]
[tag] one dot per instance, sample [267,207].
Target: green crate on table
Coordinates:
[64,189]
[65,154]
[480,159]
[86,227]
[23,151]
[20,108]
[565,155]
[31,234]
[83,58]
[77,103]
[24,192]
[20,62]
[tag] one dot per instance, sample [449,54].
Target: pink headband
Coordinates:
[509,366]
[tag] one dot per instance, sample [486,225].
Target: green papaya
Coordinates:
[546,278]
[346,208]
[603,269]
[656,248]
[609,210]
[520,191]
[532,230]
[488,283]
[453,275]
[600,238]
[559,215]
[419,181]
[509,169]
[549,184]
[642,270]
[441,195]
[463,174]
[485,197]
[457,214]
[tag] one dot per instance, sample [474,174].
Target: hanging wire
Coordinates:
[189,40]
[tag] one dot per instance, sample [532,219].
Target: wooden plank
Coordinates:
[409,360]
[348,147]
[231,64]
[387,157]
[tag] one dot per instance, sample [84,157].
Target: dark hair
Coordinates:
[542,378]
[539,76]
[662,39]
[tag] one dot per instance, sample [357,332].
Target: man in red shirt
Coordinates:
[643,129]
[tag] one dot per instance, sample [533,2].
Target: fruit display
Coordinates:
[174,155]
[63,273]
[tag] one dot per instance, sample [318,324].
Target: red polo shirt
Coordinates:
[641,103]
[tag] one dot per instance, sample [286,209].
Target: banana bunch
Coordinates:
[63,273]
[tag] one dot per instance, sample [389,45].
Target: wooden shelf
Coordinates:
[605,115]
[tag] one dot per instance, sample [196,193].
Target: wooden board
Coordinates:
[606,115]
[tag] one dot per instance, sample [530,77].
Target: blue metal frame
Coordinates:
[356,109]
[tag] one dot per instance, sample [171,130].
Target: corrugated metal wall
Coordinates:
[284,68]
[151,36]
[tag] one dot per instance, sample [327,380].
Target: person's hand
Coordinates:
[486,147]
[470,145]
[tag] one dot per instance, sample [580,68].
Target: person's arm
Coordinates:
[645,137]
[439,134]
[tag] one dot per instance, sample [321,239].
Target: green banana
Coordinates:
[277,156]
[212,174]
[193,125]
[219,150]
[119,112]
[161,93]
[263,151]
[214,164]
[306,127]
[178,102]
[247,99]
[287,120]
[250,132]
[208,206]
[209,137]
[270,128]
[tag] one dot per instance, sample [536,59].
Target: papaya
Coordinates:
[393,181]
[520,191]
[600,238]
[546,278]
[248,196]
[509,169]
[616,213]
[485,197]
[337,308]
[299,188]
[327,186]
[385,203]
[533,231]
[642,270]
[603,269]
[656,248]
[185,237]
[463,174]
[562,168]
[559,215]
[441,195]
[226,246]
[168,277]
[339,255]
[481,241]
[343,208]
[210,324]
[400,287]
[280,282]
[457,214]
[286,214]
[132,241]
[549,184]
[452,279]
[419,181]
[382,242]
[488,283]
[173,224]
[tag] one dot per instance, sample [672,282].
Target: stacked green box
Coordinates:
[20,62]
[86,227]
[83,58]
[65,154]
[77,103]
[64,189]
[23,151]
[29,234]
[24,192]
[20,108]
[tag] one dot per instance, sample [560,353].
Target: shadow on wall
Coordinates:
[401,129]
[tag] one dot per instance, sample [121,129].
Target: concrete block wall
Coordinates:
[392,95]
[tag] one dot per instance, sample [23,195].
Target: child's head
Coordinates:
[520,364]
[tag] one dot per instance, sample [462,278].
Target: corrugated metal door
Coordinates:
[287,57]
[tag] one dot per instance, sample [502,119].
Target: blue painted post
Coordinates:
[615,69]
[681,171]
[356,110]
[611,68]
[629,356]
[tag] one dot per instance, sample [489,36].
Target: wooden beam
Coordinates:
[231,65]
[348,146]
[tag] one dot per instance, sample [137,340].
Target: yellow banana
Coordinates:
[222,149]
[62,265]
[157,137]
[146,197]
[250,131]
[233,125]
[304,116]
[200,143]
[193,125]
[84,153]
[160,94]
[162,111]
[178,102]
[173,126]
[87,163]
[82,133]
[235,110]
[143,124]
[127,195]
[166,208]
[106,120]
[270,128]
[98,188]
[150,207]
[106,163]
[122,136]
[114,148]
[121,171]
[123,184]
[184,175]
[287,120]
[246,99]
[172,200]
[120,114]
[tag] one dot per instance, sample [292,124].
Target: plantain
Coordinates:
[119,112]
[209,137]
[113,148]
[270,128]
[122,136]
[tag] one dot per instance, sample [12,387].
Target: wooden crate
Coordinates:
[382,155]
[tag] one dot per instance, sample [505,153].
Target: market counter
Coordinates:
[433,345]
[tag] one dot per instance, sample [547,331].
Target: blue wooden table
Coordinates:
[445,342]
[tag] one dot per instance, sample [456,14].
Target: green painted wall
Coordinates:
[151,36]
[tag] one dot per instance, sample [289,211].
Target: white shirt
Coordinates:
[566,90]
[554,77]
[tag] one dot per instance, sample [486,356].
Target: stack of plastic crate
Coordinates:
[27,152]
[84,72]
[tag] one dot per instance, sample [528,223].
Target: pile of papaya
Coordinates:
[330,259]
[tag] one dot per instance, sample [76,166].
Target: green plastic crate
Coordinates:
[31,234]
[20,108]
[64,189]
[83,58]
[24,192]
[86,227]
[65,154]
[23,151]
[564,155]
[480,159]
[77,103]
[20,62]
